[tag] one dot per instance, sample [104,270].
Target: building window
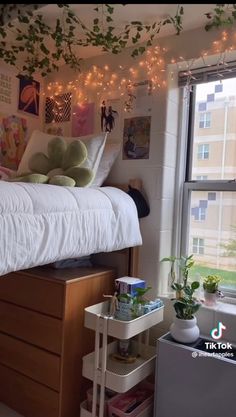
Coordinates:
[205,120]
[209,189]
[198,246]
[198,213]
[211,196]
[201,177]
[201,213]
[203,151]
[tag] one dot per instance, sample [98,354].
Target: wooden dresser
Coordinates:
[43,339]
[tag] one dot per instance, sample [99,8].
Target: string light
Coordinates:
[153,66]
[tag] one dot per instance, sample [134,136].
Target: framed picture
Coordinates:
[29,91]
[136,137]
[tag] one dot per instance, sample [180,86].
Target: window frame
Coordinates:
[190,185]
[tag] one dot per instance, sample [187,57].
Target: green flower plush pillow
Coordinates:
[45,152]
[61,165]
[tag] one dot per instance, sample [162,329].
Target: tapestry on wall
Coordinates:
[83,119]
[29,91]
[5,88]
[58,108]
[136,137]
[13,139]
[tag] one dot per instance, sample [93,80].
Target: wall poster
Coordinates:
[29,91]
[5,88]
[83,119]
[58,108]
[13,136]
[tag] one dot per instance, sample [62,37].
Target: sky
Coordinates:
[229,89]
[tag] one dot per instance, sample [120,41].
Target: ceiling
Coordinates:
[148,13]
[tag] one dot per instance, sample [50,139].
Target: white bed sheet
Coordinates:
[40,224]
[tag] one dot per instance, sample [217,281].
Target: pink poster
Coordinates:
[13,139]
[83,119]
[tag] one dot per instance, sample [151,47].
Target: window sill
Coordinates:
[226,305]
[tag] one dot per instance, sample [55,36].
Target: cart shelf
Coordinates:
[119,328]
[120,377]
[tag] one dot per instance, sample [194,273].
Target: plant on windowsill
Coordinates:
[185,329]
[211,292]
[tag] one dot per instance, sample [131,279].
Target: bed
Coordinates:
[41,224]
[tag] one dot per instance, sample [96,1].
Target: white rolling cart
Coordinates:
[105,371]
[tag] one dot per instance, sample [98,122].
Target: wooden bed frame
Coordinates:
[42,334]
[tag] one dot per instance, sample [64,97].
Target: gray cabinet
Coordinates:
[191,384]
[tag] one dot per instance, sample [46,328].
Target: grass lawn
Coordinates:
[228,277]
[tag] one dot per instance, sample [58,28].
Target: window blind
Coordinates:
[206,74]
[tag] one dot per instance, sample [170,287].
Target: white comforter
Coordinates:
[40,224]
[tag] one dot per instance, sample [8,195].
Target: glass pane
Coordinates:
[214,136]
[212,235]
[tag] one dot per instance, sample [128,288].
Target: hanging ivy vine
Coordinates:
[23,32]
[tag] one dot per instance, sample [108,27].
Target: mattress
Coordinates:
[41,224]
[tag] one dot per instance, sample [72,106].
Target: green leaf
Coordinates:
[44,49]
[141,49]
[195,285]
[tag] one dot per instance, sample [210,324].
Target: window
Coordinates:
[211,196]
[203,151]
[201,177]
[198,246]
[209,202]
[201,213]
[205,120]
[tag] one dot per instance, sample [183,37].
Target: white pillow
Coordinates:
[38,142]
[109,156]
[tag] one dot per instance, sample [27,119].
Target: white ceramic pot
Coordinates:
[210,298]
[185,331]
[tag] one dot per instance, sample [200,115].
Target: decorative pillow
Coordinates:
[39,143]
[60,166]
[109,156]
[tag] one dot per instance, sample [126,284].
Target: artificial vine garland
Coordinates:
[32,36]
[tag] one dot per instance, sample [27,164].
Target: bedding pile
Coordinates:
[41,224]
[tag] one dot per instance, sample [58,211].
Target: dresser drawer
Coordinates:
[38,364]
[33,293]
[30,326]
[26,396]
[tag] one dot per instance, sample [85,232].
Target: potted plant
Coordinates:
[184,328]
[131,306]
[210,286]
